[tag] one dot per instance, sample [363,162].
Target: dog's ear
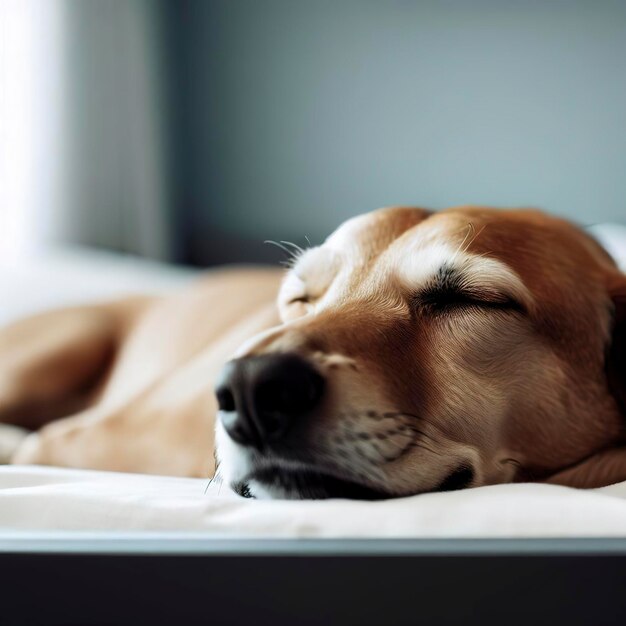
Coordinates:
[616,356]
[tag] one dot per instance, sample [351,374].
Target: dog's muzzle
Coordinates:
[261,397]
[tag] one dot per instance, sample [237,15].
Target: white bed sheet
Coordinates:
[44,499]
[48,499]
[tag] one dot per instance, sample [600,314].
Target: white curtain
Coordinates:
[83,126]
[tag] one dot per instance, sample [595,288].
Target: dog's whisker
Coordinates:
[216,476]
[293,245]
[422,419]
[460,249]
[289,252]
[473,239]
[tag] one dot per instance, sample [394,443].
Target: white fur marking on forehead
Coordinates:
[344,235]
[417,268]
[309,279]
[314,270]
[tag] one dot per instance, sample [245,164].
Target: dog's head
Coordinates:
[429,351]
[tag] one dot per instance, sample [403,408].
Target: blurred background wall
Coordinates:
[193,130]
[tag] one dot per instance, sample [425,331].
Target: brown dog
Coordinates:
[415,351]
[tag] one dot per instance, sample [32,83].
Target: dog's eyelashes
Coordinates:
[444,299]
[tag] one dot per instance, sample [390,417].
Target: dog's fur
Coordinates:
[466,347]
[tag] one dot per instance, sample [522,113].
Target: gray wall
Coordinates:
[293,115]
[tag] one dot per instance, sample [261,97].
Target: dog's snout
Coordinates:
[260,397]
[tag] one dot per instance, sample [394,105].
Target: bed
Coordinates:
[138,532]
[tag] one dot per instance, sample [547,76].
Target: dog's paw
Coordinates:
[11,437]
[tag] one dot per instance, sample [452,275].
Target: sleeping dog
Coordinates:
[411,352]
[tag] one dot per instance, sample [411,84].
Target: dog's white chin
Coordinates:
[236,467]
[11,437]
[265,492]
[233,464]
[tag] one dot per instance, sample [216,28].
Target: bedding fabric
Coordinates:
[44,499]
[50,499]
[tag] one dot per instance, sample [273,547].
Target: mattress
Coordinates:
[53,499]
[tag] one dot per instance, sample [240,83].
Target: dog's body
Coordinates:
[453,349]
[132,379]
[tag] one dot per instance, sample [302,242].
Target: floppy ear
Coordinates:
[608,466]
[616,355]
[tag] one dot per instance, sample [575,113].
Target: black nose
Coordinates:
[260,397]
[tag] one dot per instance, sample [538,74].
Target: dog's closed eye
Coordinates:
[305,299]
[479,284]
[451,290]
[445,298]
